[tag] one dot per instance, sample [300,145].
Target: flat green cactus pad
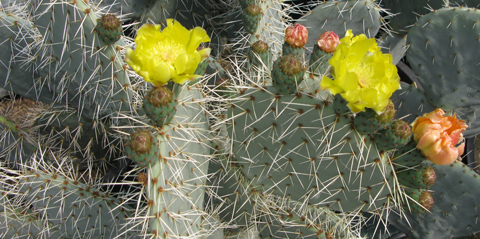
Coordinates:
[456,208]
[297,146]
[361,16]
[443,52]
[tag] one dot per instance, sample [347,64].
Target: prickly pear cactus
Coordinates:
[298,146]
[265,145]
[175,156]
[442,46]
[452,200]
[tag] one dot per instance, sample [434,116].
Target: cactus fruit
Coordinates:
[109,29]
[142,149]
[367,122]
[423,201]
[160,105]
[259,55]
[323,51]
[396,135]
[288,72]
[421,177]
[252,15]
[295,39]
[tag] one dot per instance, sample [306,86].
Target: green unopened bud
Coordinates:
[160,96]
[259,47]
[328,41]
[388,113]
[253,10]
[401,129]
[429,176]
[296,36]
[291,65]
[141,142]
[110,22]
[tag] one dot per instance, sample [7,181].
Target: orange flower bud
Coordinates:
[437,136]
[296,36]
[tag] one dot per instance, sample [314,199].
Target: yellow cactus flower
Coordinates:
[363,75]
[169,54]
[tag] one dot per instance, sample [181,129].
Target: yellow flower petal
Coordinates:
[169,54]
[184,78]
[197,36]
[193,62]
[204,53]
[328,84]
[364,76]
[161,75]
[181,63]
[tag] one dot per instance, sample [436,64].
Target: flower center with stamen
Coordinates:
[169,50]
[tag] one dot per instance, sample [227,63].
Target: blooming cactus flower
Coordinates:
[296,36]
[437,136]
[363,75]
[170,54]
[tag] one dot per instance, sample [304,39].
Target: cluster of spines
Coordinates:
[51,199]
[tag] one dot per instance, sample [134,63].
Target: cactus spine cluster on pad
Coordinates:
[232,119]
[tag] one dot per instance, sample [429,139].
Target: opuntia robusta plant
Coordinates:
[232,119]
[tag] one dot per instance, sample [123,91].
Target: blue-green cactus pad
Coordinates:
[81,71]
[410,102]
[19,71]
[407,12]
[297,146]
[393,44]
[443,52]
[64,201]
[362,16]
[456,208]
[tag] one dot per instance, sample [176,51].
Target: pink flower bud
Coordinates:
[296,36]
[328,41]
[437,136]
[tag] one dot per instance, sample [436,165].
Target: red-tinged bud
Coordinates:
[259,47]
[253,10]
[160,96]
[110,22]
[401,129]
[141,142]
[388,113]
[328,41]
[429,176]
[291,65]
[426,200]
[296,36]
